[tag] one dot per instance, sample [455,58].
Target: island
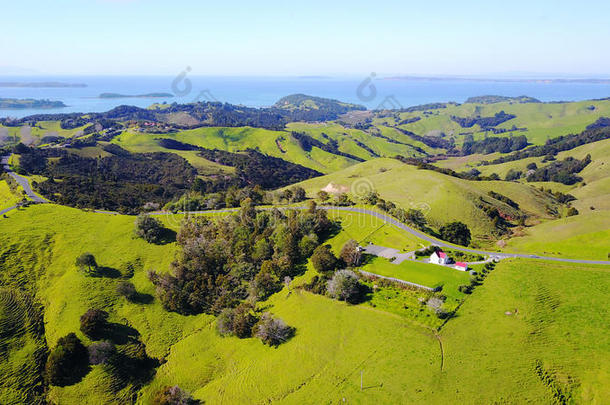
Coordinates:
[27,103]
[149,95]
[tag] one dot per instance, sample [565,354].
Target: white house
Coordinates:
[439,258]
[461,266]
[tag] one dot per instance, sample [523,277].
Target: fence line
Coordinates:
[366,273]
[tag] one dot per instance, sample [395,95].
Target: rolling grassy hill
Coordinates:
[586,235]
[552,340]
[443,198]
[541,120]
[236,139]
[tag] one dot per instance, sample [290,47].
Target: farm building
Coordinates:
[439,258]
[461,266]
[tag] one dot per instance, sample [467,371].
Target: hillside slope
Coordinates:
[442,198]
[535,308]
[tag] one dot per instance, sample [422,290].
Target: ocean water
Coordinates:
[265,91]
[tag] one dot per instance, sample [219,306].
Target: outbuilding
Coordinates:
[461,266]
[439,257]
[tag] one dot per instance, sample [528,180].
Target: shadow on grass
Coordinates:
[366,259]
[365,293]
[167,236]
[121,334]
[107,272]
[131,365]
[142,298]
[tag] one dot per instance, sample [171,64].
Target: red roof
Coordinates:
[461,264]
[442,255]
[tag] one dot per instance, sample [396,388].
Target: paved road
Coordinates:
[441,243]
[26,186]
[419,234]
[22,181]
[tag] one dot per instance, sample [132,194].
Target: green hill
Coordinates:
[531,354]
[442,198]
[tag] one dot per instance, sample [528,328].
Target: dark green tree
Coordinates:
[148,228]
[323,259]
[68,362]
[94,323]
[456,232]
[86,262]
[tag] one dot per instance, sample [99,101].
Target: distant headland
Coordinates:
[27,103]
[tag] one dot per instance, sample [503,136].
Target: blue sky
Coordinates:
[149,37]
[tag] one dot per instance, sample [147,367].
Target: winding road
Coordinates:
[23,182]
[412,231]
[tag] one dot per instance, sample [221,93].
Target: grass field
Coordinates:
[366,229]
[429,275]
[584,236]
[530,314]
[7,197]
[487,356]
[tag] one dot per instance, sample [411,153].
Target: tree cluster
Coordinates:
[222,262]
[120,183]
[306,142]
[561,143]
[456,232]
[253,168]
[563,171]
[483,122]
[495,144]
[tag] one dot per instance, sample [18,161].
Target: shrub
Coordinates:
[127,290]
[237,321]
[244,319]
[149,228]
[173,396]
[465,288]
[298,194]
[101,352]
[317,285]
[323,259]
[350,253]
[344,286]
[513,175]
[323,195]
[68,361]
[224,322]
[272,331]
[572,211]
[94,323]
[416,217]
[86,262]
[342,200]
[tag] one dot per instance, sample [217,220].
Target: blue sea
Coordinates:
[265,91]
